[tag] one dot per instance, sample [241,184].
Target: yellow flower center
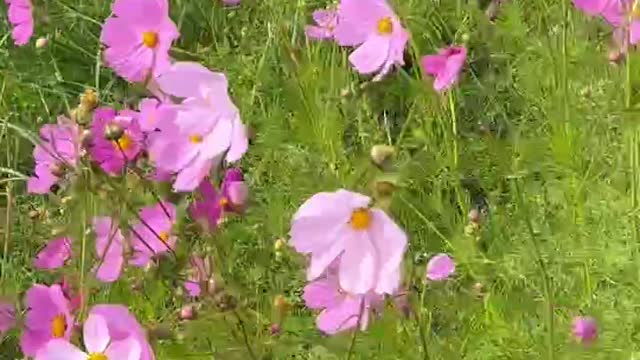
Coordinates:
[223,201]
[125,142]
[360,219]
[150,39]
[164,236]
[195,139]
[58,326]
[97,356]
[385,26]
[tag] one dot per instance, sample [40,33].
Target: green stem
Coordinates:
[419,320]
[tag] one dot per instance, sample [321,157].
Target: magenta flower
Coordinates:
[212,205]
[207,127]
[611,10]
[109,248]
[199,276]
[116,140]
[7,316]
[341,224]
[138,38]
[445,66]
[326,20]
[54,254]
[122,325]
[21,18]
[74,297]
[152,236]
[440,267]
[48,317]
[340,311]
[97,341]
[376,30]
[151,113]
[585,329]
[58,151]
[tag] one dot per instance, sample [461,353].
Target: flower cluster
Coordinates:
[622,15]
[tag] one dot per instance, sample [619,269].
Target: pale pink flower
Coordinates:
[440,267]
[206,129]
[153,112]
[54,254]
[326,20]
[445,66]
[341,224]
[21,18]
[109,249]
[585,329]
[97,341]
[7,316]
[374,28]
[123,325]
[153,235]
[138,38]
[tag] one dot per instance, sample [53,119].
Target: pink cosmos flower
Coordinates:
[54,254]
[212,205]
[74,297]
[48,317]
[21,17]
[610,10]
[440,267]
[326,20]
[340,311]
[206,129]
[445,66]
[116,139]
[376,30]
[199,276]
[58,151]
[138,38]
[585,329]
[341,224]
[7,316]
[97,341]
[152,236]
[109,248]
[122,325]
[151,113]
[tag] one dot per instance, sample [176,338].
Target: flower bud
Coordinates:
[275,329]
[381,155]
[113,132]
[89,100]
[188,312]
[474,216]
[41,42]
[279,244]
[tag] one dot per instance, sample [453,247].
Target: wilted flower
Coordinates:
[585,329]
[445,66]
[109,249]
[440,267]
[341,225]
[152,236]
[122,325]
[376,30]
[326,20]
[138,38]
[54,254]
[21,18]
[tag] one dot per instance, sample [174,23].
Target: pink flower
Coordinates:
[206,129]
[199,276]
[585,329]
[445,66]
[58,151]
[610,10]
[376,30]
[21,17]
[48,317]
[109,248]
[54,254]
[212,205]
[440,267]
[326,20]
[123,325]
[151,113]
[74,297]
[138,38]
[231,2]
[97,341]
[116,140]
[340,311]
[341,224]
[152,236]
[7,316]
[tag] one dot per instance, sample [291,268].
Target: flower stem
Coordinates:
[245,337]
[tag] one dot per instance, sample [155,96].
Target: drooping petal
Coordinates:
[320,294]
[54,254]
[187,79]
[440,267]
[358,264]
[371,55]
[343,316]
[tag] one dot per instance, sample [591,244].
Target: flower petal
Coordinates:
[59,349]
[371,55]
[127,349]
[358,264]
[95,334]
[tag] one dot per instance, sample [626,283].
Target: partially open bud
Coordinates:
[89,99]
[381,155]
[188,312]
[41,42]
[113,132]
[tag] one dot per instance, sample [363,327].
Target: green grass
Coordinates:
[545,127]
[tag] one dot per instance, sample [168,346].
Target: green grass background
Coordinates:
[544,125]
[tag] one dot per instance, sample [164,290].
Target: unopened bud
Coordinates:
[41,42]
[34,214]
[275,329]
[474,216]
[113,132]
[89,99]
[279,244]
[381,155]
[188,312]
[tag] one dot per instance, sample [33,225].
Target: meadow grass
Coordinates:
[542,130]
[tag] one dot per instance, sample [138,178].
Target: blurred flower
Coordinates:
[115,140]
[74,297]
[199,277]
[48,317]
[152,235]
[231,2]
[585,329]
[122,325]
[445,66]
[109,249]
[376,30]
[206,128]
[212,205]
[440,267]
[275,329]
[326,20]
[382,154]
[41,42]
[138,38]
[188,312]
[58,150]
[21,18]
[97,341]
[54,254]
[7,316]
